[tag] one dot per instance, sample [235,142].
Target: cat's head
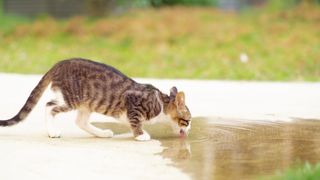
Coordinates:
[179,112]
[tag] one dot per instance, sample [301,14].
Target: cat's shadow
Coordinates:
[175,148]
[159,131]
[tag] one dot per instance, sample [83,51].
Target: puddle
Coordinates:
[237,149]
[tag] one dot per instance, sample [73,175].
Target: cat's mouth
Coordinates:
[183,134]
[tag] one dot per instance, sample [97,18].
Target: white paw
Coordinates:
[105,134]
[54,134]
[143,137]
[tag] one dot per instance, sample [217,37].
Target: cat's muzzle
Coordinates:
[184,131]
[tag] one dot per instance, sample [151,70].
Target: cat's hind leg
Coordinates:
[52,109]
[83,122]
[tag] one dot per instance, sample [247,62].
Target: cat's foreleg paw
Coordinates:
[143,137]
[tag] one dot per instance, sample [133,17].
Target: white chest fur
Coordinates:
[161,117]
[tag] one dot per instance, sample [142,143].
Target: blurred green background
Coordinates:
[275,40]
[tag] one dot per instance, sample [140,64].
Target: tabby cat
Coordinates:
[88,86]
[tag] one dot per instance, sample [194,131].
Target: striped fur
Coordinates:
[94,87]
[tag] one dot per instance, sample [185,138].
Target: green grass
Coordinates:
[305,172]
[178,42]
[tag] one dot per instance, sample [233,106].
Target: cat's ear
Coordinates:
[179,100]
[173,92]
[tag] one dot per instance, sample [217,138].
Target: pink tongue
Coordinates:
[182,134]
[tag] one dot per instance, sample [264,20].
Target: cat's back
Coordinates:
[84,67]
[86,83]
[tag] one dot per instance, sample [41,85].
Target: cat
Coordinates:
[88,86]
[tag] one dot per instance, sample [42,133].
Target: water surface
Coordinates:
[239,149]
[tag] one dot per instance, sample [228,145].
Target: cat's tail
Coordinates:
[30,103]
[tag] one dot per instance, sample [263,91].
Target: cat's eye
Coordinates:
[183,122]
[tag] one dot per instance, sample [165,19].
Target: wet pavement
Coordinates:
[238,149]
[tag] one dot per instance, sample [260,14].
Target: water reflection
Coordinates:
[230,149]
[240,149]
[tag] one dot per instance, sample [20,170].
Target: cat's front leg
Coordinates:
[136,126]
[138,132]
[135,115]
